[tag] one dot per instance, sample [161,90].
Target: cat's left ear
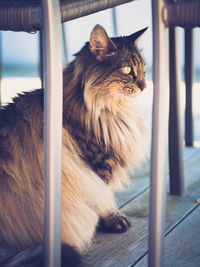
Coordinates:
[101,46]
[136,36]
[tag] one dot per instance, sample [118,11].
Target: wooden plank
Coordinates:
[125,249]
[182,245]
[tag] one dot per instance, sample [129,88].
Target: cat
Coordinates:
[103,139]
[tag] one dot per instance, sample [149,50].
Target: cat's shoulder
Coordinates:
[27,99]
[22,104]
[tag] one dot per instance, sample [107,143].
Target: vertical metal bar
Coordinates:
[41,59]
[64,45]
[114,21]
[159,137]
[175,133]
[52,130]
[188,82]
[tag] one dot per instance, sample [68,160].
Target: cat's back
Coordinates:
[19,121]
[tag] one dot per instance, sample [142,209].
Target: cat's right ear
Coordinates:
[101,46]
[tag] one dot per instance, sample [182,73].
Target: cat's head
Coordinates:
[107,73]
[114,67]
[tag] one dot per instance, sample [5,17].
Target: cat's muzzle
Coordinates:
[131,90]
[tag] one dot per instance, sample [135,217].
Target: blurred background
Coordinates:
[20,52]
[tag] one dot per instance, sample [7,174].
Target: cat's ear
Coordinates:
[135,36]
[101,46]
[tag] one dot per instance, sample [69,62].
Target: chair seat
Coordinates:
[25,15]
[183,13]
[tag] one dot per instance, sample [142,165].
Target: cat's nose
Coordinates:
[142,85]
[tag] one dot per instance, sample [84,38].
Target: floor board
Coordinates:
[182,245]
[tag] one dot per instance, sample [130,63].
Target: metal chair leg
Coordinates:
[188,82]
[64,45]
[175,135]
[114,21]
[159,138]
[53,95]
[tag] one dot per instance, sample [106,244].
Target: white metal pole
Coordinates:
[52,130]
[159,137]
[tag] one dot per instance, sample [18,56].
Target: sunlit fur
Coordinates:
[100,112]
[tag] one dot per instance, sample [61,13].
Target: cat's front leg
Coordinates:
[114,223]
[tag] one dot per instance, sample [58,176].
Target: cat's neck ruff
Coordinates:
[119,123]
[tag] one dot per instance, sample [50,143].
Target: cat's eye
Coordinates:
[127,70]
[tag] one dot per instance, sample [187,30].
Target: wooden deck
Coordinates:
[182,242]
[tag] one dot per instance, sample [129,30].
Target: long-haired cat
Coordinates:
[103,138]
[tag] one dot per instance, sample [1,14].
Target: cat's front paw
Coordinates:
[114,223]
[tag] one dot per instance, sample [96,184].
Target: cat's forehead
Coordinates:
[127,52]
[122,43]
